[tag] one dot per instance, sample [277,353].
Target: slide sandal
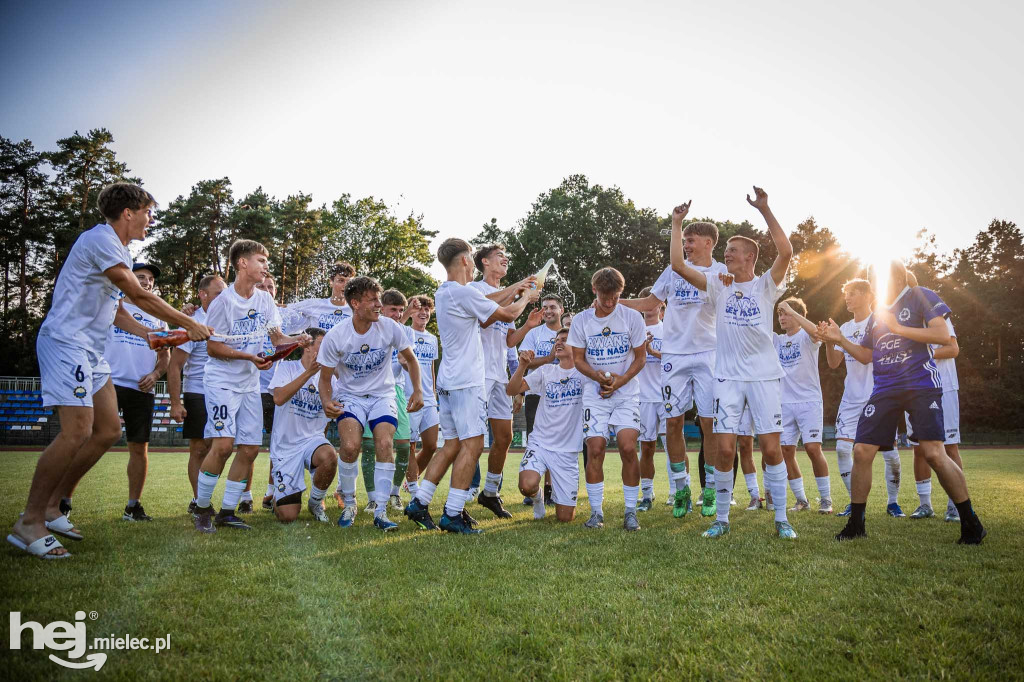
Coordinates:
[40,548]
[63,526]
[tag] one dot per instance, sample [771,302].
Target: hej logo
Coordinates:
[60,636]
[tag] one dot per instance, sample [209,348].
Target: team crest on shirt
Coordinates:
[904,315]
[137,316]
[79,392]
[339,311]
[667,367]
[606,331]
[869,410]
[219,425]
[741,308]
[251,314]
[364,349]
[311,389]
[855,335]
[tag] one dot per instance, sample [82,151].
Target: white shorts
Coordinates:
[802,421]
[367,409]
[499,404]
[71,375]
[462,412]
[289,468]
[746,424]
[950,419]
[615,413]
[422,420]
[564,468]
[230,414]
[687,380]
[652,421]
[847,419]
[762,397]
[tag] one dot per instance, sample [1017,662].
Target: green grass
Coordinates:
[531,600]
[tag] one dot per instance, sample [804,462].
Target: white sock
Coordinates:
[595,492]
[270,490]
[425,493]
[752,488]
[924,491]
[207,482]
[347,473]
[539,509]
[413,486]
[723,493]
[456,501]
[316,494]
[775,481]
[630,493]
[892,474]
[797,486]
[246,496]
[647,486]
[671,477]
[395,490]
[491,484]
[383,472]
[232,491]
[824,487]
[844,453]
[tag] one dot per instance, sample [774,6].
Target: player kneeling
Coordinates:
[297,444]
[557,435]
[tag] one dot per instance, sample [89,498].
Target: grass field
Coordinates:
[530,600]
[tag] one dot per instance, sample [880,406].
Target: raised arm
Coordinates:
[935,333]
[831,333]
[676,255]
[283,394]
[511,312]
[805,324]
[516,336]
[121,277]
[516,384]
[833,355]
[642,304]
[782,244]
[505,296]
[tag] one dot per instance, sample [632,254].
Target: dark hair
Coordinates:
[425,301]
[645,292]
[607,280]
[563,330]
[357,286]
[553,297]
[797,304]
[315,332]
[393,297]
[205,282]
[341,268]
[485,252]
[118,196]
[242,248]
[450,249]
[861,285]
[703,229]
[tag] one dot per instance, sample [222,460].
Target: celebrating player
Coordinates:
[746,366]
[188,362]
[423,424]
[323,313]
[896,342]
[609,345]
[75,375]
[652,406]
[358,352]
[245,315]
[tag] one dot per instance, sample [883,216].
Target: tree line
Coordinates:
[47,198]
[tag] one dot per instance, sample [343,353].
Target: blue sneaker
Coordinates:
[384,523]
[717,530]
[894,511]
[348,517]
[847,511]
[420,515]
[456,524]
[784,530]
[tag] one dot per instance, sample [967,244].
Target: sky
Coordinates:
[877,118]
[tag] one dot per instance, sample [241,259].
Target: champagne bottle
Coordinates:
[543,273]
[280,352]
[165,338]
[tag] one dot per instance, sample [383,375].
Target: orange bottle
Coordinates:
[166,338]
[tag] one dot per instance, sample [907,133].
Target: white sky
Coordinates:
[876,118]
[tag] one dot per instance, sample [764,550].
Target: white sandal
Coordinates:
[63,526]
[40,548]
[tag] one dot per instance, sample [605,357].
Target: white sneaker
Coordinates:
[539,510]
[371,506]
[317,510]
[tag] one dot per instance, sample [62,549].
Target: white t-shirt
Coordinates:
[424,347]
[541,340]
[314,312]
[250,318]
[559,423]
[130,356]
[744,314]
[860,378]
[609,343]
[650,375]
[798,355]
[302,417]
[947,366]
[84,300]
[689,323]
[460,310]
[362,362]
[195,366]
[494,340]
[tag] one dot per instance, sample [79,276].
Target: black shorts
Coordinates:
[195,416]
[268,411]
[532,402]
[137,410]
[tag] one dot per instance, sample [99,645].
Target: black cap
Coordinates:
[147,266]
